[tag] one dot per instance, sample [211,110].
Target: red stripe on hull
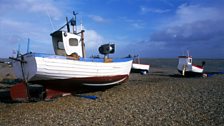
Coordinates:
[73,83]
[200,67]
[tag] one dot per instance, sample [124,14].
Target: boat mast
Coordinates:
[73,23]
[82,40]
[83,44]
[68,28]
[28,46]
[188,54]
[18,52]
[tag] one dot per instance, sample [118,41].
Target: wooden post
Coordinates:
[24,77]
[184,69]
[83,44]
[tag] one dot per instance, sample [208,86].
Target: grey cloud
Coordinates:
[205,38]
[195,28]
[199,29]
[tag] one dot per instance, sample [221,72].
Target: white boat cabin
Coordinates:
[67,44]
[185,60]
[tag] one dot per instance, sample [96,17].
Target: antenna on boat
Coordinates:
[83,43]
[188,53]
[73,22]
[28,46]
[68,28]
[18,51]
[82,35]
[50,20]
[81,26]
[183,52]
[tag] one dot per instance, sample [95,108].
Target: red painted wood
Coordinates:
[201,67]
[67,85]
[18,92]
[50,93]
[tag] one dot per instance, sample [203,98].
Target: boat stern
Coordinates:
[25,66]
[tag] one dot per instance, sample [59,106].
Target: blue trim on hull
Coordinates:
[81,59]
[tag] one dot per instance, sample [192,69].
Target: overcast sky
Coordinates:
[148,28]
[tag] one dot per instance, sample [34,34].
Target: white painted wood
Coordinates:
[143,67]
[55,67]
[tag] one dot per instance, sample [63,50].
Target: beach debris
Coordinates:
[204,75]
[213,73]
[87,96]
[51,93]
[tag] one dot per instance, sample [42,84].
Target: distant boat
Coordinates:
[186,68]
[69,65]
[137,67]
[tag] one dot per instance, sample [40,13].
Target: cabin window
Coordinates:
[190,60]
[73,42]
[60,45]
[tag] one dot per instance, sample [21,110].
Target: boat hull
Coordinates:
[74,83]
[190,70]
[61,71]
[190,73]
[137,68]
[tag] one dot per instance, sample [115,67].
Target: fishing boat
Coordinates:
[69,65]
[186,68]
[137,67]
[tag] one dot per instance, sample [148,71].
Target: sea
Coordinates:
[212,65]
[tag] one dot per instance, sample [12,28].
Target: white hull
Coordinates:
[40,67]
[190,70]
[140,67]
